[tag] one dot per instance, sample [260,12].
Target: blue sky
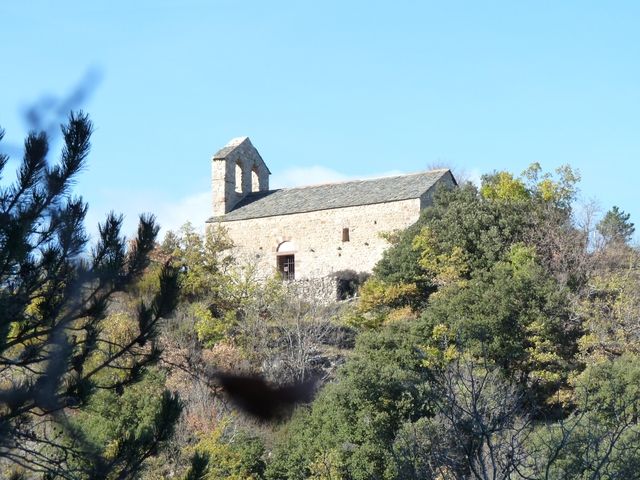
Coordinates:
[328,91]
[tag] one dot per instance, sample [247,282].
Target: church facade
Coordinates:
[312,232]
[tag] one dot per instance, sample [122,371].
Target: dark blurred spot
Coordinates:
[49,111]
[264,401]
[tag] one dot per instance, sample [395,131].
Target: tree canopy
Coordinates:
[496,341]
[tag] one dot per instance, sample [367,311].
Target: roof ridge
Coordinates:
[363,180]
[230,146]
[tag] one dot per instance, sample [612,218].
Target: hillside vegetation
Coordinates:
[498,337]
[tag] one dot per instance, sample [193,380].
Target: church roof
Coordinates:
[332,195]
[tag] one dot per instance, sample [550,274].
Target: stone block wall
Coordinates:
[317,237]
[254,174]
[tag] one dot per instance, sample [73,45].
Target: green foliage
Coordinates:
[61,338]
[513,315]
[460,233]
[466,230]
[198,467]
[475,433]
[110,418]
[399,263]
[234,456]
[610,312]
[602,438]
[463,224]
[611,389]
[122,430]
[616,227]
[350,426]
[415,448]
[559,192]
[203,261]
[210,286]
[209,329]
[485,314]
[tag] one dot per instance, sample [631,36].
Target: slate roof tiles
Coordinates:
[332,195]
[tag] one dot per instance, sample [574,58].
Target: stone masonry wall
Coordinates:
[238,151]
[317,236]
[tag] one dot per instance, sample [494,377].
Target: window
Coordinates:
[345,234]
[238,178]
[286,260]
[255,180]
[287,267]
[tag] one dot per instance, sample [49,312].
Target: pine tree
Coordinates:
[616,227]
[54,300]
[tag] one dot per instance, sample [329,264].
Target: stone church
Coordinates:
[314,231]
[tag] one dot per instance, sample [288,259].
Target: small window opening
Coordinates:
[345,234]
[238,178]
[287,267]
[255,181]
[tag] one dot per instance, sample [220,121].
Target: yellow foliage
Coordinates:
[432,356]
[224,460]
[33,309]
[446,267]
[505,187]
[542,351]
[548,190]
[440,332]
[210,329]
[559,192]
[438,357]
[441,350]
[111,449]
[119,328]
[400,314]
[325,466]
[545,376]
[359,318]
[451,353]
[610,315]
[18,328]
[521,256]
[375,293]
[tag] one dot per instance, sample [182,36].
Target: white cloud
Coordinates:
[299,176]
[194,208]
[315,174]
[171,215]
